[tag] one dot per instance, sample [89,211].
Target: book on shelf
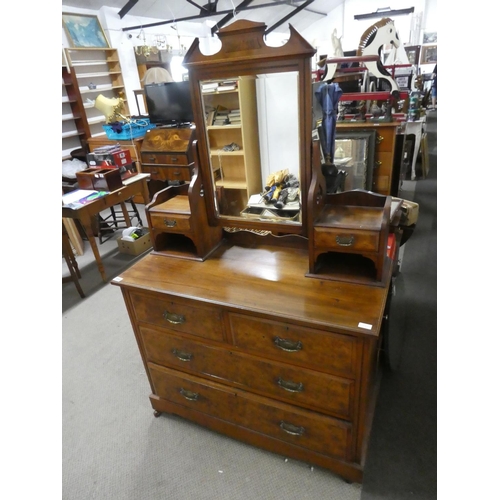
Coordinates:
[209,87]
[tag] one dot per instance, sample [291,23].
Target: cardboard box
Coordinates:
[117,159]
[135,247]
[99,179]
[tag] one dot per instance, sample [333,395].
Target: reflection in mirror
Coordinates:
[354,159]
[252,127]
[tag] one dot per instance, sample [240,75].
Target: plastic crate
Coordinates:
[131,130]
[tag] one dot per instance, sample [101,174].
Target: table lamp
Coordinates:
[111,107]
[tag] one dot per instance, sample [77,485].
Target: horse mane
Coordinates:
[367,36]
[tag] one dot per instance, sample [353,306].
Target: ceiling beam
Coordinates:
[124,10]
[228,17]
[287,17]
[203,16]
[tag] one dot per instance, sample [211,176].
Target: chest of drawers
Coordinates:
[246,345]
[166,155]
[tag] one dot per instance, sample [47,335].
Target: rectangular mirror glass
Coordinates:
[252,127]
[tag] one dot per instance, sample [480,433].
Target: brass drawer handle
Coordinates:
[380,138]
[152,158]
[292,429]
[290,386]
[288,345]
[345,241]
[378,163]
[173,159]
[191,396]
[183,356]
[170,223]
[175,319]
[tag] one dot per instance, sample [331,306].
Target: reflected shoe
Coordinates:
[231,147]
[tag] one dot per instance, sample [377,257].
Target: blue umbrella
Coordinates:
[328,96]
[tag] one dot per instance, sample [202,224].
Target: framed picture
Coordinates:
[413,53]
[84,31]
[430,37]
[429,54]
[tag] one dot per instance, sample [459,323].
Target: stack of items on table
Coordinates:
[113,156]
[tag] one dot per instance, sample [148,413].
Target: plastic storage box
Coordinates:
[132,130]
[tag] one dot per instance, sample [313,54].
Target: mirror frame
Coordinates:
[244,52]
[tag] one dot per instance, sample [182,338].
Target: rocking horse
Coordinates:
[372,42]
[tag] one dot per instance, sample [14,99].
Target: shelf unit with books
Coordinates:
[97,71]
[234,140]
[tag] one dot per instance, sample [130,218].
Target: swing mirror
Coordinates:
[252,106]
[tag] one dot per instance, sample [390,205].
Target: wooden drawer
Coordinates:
[346,240]
[149,158]
[179,315]
[173,223]
[325,435]
[330,352]
[300,386]
[385,140]
[160,173]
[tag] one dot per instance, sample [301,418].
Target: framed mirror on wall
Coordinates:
[252,106]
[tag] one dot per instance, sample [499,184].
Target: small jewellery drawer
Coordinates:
[164,159]
[178,315]
[170,222]
[300,386]
[346,240]
[161,173]
[330,352]
[325,435]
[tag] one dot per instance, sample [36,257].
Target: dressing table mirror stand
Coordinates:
[240,340]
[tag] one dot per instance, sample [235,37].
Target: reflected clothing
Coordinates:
[328,96]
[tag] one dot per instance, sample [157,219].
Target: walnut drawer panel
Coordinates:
[330,352]
[170,222]
[385,140]
[164,159]
[161,173]
[346,240]
[178,315]
[307,429]
[297,385]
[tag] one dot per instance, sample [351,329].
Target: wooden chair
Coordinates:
[70,259]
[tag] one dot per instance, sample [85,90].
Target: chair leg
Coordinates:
[136,212]
[74,271]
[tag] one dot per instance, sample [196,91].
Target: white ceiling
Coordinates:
[165,10]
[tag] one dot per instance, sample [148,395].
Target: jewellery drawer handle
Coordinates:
[288,345]
[290,386]
[183,356]
[292,429]
[170,223]
[191,396]
[345,241]
[175,319]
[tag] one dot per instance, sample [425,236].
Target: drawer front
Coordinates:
[174,223]
[385,139]
[160,173]
[325,435]
[290,384]
[346,240]
[178,315]
[330,352]
[164,159]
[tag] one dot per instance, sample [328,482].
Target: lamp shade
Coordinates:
[110,107]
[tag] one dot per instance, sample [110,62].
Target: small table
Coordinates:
[134,185]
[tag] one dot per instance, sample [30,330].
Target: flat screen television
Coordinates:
[169,103]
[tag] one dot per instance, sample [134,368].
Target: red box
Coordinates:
[116,159]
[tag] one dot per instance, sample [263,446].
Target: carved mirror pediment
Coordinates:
[252,106]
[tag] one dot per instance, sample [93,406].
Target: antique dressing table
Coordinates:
[240,337]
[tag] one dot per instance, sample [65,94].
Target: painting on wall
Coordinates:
[430,37]
[84,31]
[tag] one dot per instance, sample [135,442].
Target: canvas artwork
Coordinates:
[84,31]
